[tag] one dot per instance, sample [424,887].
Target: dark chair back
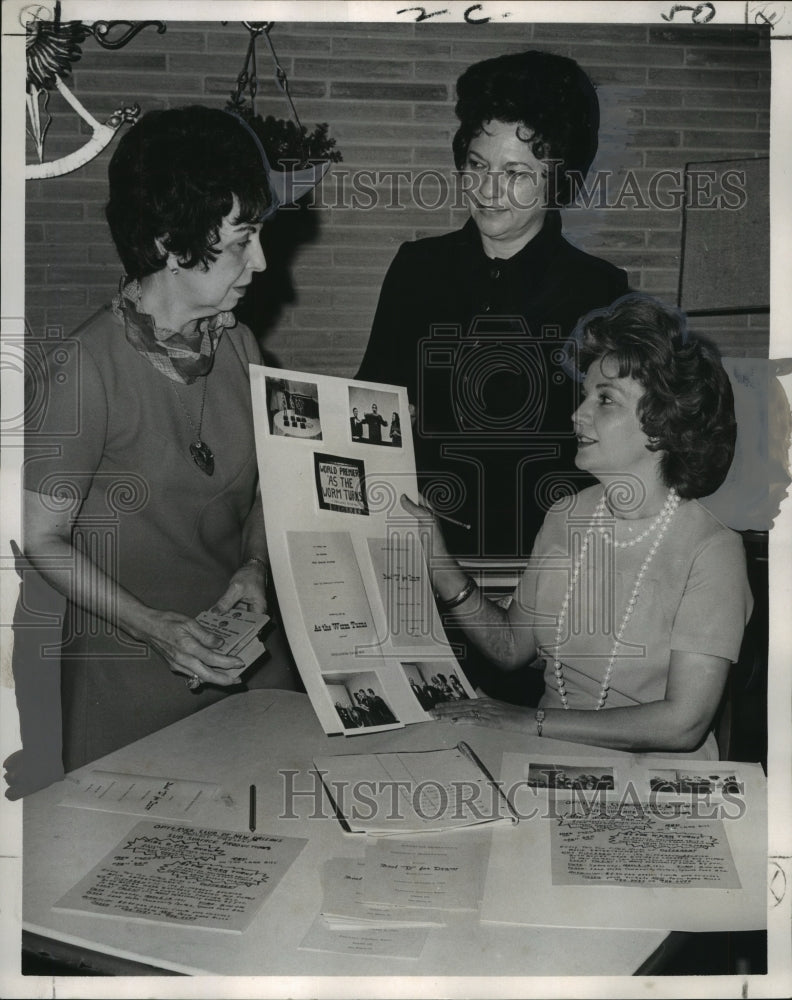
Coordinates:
[741,722]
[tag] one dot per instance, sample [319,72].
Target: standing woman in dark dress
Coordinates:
[472,322]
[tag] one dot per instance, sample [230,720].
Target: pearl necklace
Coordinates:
[660,525]
[670,505]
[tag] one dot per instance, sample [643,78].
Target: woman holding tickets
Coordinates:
[150,514]
[471,321]
[635,598]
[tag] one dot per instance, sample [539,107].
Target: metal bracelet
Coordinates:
[255,559]
[459,598]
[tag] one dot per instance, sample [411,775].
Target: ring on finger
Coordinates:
[194,682]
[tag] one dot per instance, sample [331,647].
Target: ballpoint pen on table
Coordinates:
[252,810]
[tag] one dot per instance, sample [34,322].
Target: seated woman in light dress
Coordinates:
[635,598]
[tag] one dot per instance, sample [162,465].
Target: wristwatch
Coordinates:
[539,717]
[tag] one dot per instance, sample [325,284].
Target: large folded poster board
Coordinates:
[335,456]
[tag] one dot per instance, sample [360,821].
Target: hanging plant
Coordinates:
[287,145]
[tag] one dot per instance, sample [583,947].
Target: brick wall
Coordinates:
[669,95]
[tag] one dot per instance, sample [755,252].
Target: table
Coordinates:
[249,738]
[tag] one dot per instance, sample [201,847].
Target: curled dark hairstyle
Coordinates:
[687,409]
[173,177]
[548,96]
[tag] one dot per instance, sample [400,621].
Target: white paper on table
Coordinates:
[191,876]
[441,873]
[412,791]
[140,794]
[375,942]
[640,855]
[629,846]
[342,885]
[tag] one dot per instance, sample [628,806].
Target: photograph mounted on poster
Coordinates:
[293,409]
[374,417]
[358,699]
[340,484]
[434,682]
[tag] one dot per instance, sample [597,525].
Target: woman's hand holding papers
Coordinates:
[190,649]
[248,584]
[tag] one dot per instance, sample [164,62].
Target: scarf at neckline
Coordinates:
[169,351]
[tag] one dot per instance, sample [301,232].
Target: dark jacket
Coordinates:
[476,342]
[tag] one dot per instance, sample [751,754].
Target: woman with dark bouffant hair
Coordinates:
[551,102]
[146,512]
[635,598]
[471,322]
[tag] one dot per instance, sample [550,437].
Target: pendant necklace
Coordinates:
[201,452]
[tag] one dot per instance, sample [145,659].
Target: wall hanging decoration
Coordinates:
[51,48]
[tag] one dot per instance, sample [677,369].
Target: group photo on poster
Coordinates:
[374,417]
[404,390]
[430,686]
[359,706]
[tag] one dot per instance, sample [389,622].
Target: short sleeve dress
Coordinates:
[695,597]
[113,433]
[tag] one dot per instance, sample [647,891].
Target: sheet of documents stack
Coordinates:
[638,842]
[386,903]
[629,842]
